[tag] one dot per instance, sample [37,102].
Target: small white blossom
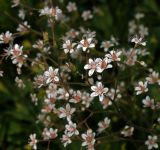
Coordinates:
[138,41]
[51,75]
[66,139]
[89,139]
[92,65]
[148,102]
[71,129]
[71,6]
[5,37]
[66,112]
[103,64]
[106,45]
[114,56]
[86,44]
[86,15]
[24,27]
[102,125]
[33,141]
[21,14]
[15,3]
[99,90]
[49,133]
[127,131]
[141,87]
[68,46]
[153,78]
[152,142]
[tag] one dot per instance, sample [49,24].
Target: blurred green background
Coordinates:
[17,113]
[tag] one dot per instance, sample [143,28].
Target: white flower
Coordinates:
[76,97]
[152,142]
[39,44]
[139,16]
[114,56]
[86,15]
[15,3]
[68,46]
[141,87]
[89,139]
[138,41]
[33,141]
[148,102]
[99,90]
[51,75]
[19,82]
[71,7]
[66,139]
[106,102]
[66,112]
[103,64]
[5,37]
[21,14]
[85,44]
[1,73]
[34,98]
[153,78]
[127,131]
[23,27]
[106,45]
[49,133]
[71,129]
[51,12]
[103,124]
[92,66]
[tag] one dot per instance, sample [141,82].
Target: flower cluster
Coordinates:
[68,71]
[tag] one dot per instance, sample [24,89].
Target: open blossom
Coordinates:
[66,139]
[38,44]
[153,78]
[24,27]
[86,44]
[92,65]
[5,37]
[102,125]
[71,129]
[1,73]
[17,55]
[19,82]
[148,102]
[138,41]
[114,56]
[76,97]
[71,6]
[106,102]
[103,64]
[89,139]
[49,133]
[51,75]
[106,45]
[86,15]
[34,98]
[152,142]
[51,12]
[15,3]
[141,87]
[127,131]
[39,81]
[66,112]
[33,141]
[99,90]
[21,14]
[68,46]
